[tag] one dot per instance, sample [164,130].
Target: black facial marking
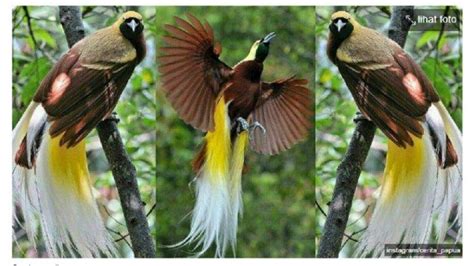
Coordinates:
[127,30]
[344,32]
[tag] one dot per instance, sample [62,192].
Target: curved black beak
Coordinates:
[268,38]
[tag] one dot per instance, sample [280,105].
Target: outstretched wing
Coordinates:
[395,95]
[284,110]
[78,95]
[192,74]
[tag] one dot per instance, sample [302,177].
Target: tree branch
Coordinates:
[122,168]
[350,168]
[71,20]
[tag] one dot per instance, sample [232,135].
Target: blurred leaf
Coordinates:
[147,76]
[45,36]
[427,37]
[437,73]
[33,73]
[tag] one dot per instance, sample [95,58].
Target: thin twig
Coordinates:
[122,237]
[113,218]
[33,38]
[361,216]
[148,214]
[352,235]
[35,41]
[325,215]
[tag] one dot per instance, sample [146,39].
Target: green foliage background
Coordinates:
[136,109]
[278,193]
[335,109]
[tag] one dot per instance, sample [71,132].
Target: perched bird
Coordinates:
[423,170]
[233,105]
[50,174]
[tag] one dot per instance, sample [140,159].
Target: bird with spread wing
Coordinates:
[234,107]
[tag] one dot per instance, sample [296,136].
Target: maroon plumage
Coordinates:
[194,79]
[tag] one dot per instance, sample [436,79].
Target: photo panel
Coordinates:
[275,215]
[389,119]
[78,191]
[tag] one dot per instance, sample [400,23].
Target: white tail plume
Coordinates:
[218,189]
[57,192]
[417,194]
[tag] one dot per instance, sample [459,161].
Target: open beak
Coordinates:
[340,24]
[133,25]
[269,37]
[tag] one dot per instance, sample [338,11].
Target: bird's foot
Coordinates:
[360,117]
[243,125]
[256,125]
[113,117]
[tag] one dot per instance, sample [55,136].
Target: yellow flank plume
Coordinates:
[238,156]
[404,168]
[218,144]
[68,167]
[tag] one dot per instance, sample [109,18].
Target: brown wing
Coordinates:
[284,110]
[395,97]
[77,97]
[191,72]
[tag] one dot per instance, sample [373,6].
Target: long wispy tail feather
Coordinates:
[22,185]
[236,167]
[218,199]
[52,185]
[453,177]
[422,184]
